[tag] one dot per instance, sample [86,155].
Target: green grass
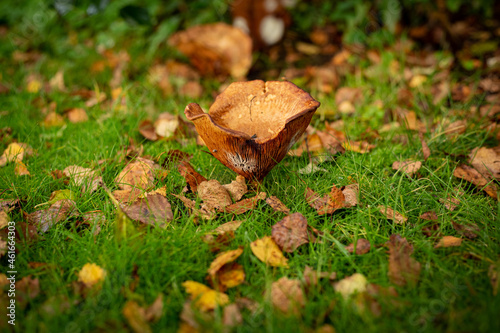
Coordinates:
[453,294]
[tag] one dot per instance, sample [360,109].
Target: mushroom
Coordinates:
[251,126]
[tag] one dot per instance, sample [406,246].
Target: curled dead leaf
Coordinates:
[327,204]
[362,247]
[449,241]
[291,232]
[402,268]
[245,205]
[391,214]
[409,167]
[277,205]
[287,295]
[137,174]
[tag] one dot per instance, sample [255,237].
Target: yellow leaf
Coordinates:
[13,153]
[34,86]
[222,259]
[21,169]
[351,284]
[136,317]
[91,274]
[205,299]
[231,275]
[268,252]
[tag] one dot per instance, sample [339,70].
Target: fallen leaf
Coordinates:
[155,310]
[137,174]
[245,205]
[468,230]
[448,241]
[204,211]
[291,232]
[327,204]
[214,195]
[77,115]
[48,217]
[86,178]
[391,214]
[310,168]
[147,129]
[204,298]
[425,148]
[91,275]
[430,216]
[348,94]
[350,285]
[351,193]
[277,205]
[409,167]
[450,203]
[402,268]
[230,276]
[95,219]
[472,175]
[222,259]
[136,317]
[154,209]
[311,277]
[237,189]
[362,246]
[216,49]
[166,125]
[219,241]
[287,295]
[268,252]
[192,177]
[4,219]
[21,170]
[361,147]
[127,196]
[486,161]
[53,119]
[13,153]
[228,226]
[231,316]
[26,290]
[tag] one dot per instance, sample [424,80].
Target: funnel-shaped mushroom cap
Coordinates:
[252,125]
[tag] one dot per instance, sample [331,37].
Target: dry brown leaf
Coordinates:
[348,94]
[425,148]
[449,241]
[231,316]
[237,189]
[450,203]
[410,121]
[311,277]
[94,218]
[430,216]
[136,317]
[350,285]
[402,268]
[486,161]
[311,144]
[192,177]
[214,195]
[361,147]
[21,170]
[409,167]
[468,230]
[147,129]
[154,209]
[277,205]
[220,241]
[287,295]
[351,193]
[245,205]
[327,204]
[216,49]
[268,252]
[155,310]
[137,174]
[127,196]
[48,217]
[26,289]
[77,115]
[362,246]
[222,259]
[472,175]
[86,178]
[391,214]
[291,232]
[4,219]
[204,211]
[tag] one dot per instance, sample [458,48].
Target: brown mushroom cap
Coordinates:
[251,125]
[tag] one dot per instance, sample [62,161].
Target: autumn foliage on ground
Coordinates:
[382,216]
